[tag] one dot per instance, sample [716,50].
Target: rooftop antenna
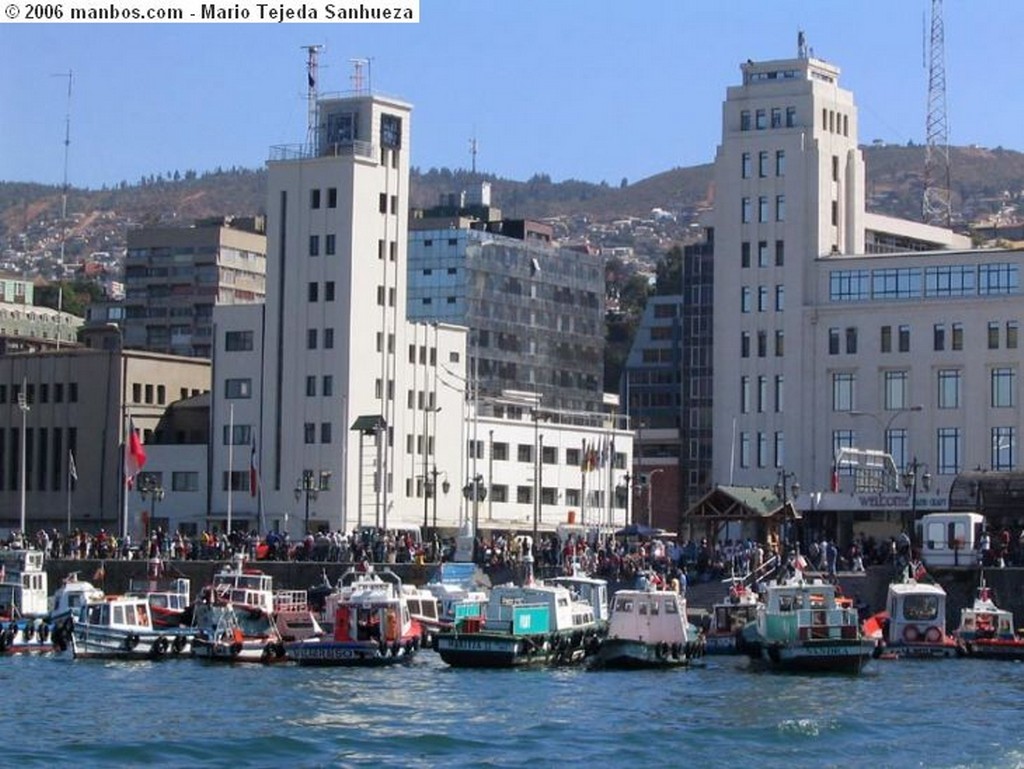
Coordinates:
[312,82]
[801,44]
[937,208]
[473,147]
[357,75]
[63,206]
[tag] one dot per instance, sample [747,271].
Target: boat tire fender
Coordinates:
[663,649]
[911,634]
[29,631]
[131,641]
[268,653]
[44,633]
[675,651]
[236,648]
[279,650]
[159,648]
[179,644]
[395,649]
[933,634]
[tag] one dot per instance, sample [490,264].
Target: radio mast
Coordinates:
[937,208]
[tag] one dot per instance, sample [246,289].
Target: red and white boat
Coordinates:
[913,623]
[366,621]
[24,623]
[986,631]
[169,597]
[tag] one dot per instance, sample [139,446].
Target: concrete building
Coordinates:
[77,401]
[834,327]
[175,275]
[535,311]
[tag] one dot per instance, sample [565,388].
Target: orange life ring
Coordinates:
[933,634]
[911,634]
[238,636]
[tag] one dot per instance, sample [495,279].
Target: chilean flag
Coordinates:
[835,480]
[254,471]
[134,454]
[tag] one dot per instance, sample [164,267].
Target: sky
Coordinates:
[576,89]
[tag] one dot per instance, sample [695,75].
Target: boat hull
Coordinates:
[27,637]
[111,643]
[993,649]
[249,650]
[326,653]
[630,654]
[504,650]
[825,656]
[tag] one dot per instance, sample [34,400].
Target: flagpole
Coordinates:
[71,463]
[124,474]
[231,455]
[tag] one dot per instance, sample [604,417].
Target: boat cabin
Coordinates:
[804,611]
[23,591]
[917,612]
[648,615]
[950,539]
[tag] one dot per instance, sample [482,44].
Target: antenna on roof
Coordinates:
[473,147]
[312,83]
[63,205]
[357,75]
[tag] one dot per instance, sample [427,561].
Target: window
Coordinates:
[780,162]
[314,198]
[310,386]
[904,338]
[744,449]
[776,117]
[780,253]
[745,210]
[332,197]
[184,481]
[762,298]
[1011,335]
[762,394]
[238,388]
[327,386]
[897,445]
[762,164]
[745,344]
[780,382]
[851,341]
[744,395]
[957,342]
[382,206]
[745,120]
[380,296]
[762,344]
[330,245]
[949,388]
[329,291]
[790,117]
[311,339]
[938,337]
[745,299]
[843,439]
[993,335]
[780,343]
[835,168]
[780,208]
[843,390]
[762,253]
[325,432]
[780,448]
[949,450]
[780,297]
[1004,448]
[835,213]
[549,455]
[761,119]
[313,291]
[745,166]
[833,341]
[524,495]
[328,338]
[745,254]
[895,395]
[524,452]
[238,341]
[762,449]
[242,435]
[762,208]
[885,343]
[1003,386]
[314,245]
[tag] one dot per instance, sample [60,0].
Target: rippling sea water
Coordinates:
[184,713]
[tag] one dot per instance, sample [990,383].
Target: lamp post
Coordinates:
[626,479]
[785,485]
[428,486]
[149,487]
[887,424]
[914,473]
[310,485]
[650,495]
[24,408]
[445,487]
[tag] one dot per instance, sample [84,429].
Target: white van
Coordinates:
[950,539]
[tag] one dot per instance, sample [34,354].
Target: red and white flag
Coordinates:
[254,471]
[134,454]
[835,480]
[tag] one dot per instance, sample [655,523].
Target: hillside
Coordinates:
[985,182]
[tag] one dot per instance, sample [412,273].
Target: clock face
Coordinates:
[391,131]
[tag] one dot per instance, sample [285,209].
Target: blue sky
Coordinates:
[584,89]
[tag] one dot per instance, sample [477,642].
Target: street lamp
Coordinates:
[887,425]
[915,471]
[627,490]
[650,495]
[445,487]
[311,486]
[428,486]
[783,492]
[149,487]
[24,408]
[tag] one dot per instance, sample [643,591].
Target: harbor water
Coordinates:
[175,713]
